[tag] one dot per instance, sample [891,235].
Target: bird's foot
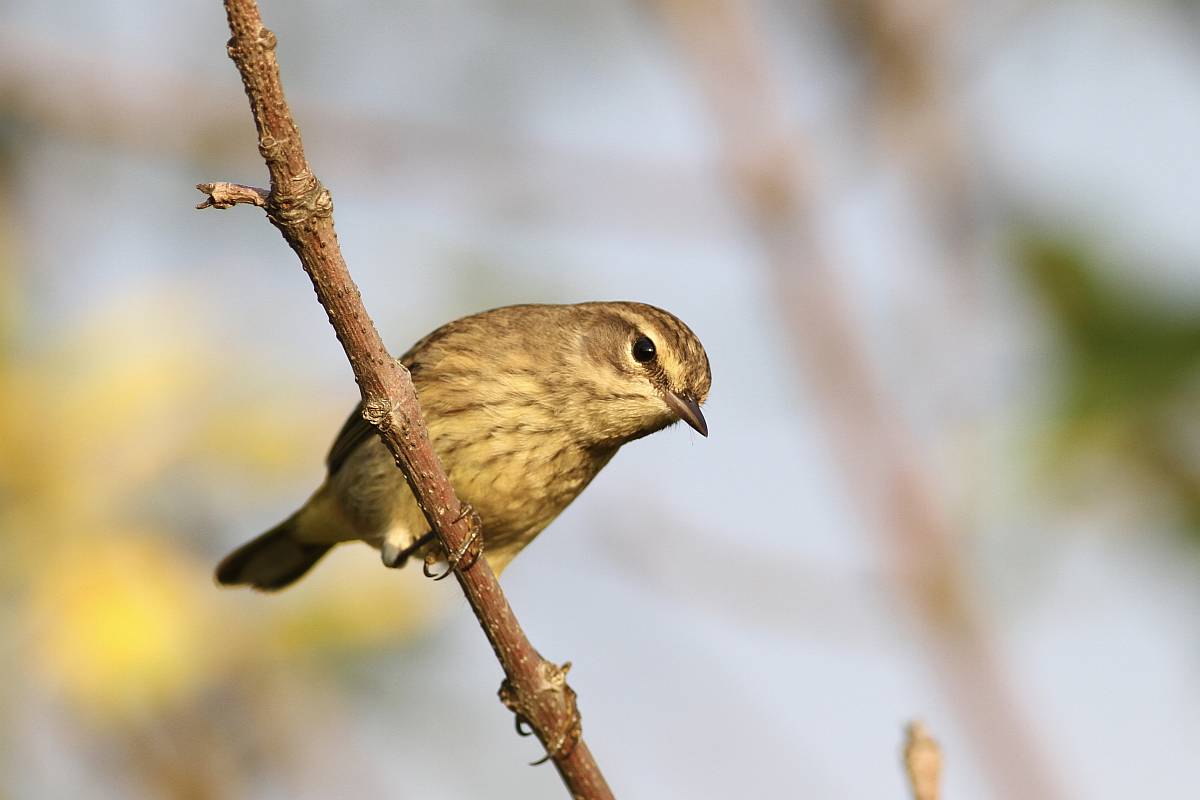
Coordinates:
[555,690]
[396,557]
[466,554]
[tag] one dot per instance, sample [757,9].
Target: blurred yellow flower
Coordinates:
[353,604]
[124,627]
[124,620]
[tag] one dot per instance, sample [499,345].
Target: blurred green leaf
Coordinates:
[1125,352]
[1130,369]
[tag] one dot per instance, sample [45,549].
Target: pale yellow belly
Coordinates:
[516,490]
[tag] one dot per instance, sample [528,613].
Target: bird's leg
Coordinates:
[397,558]
[470,549]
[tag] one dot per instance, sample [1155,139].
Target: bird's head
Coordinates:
[646,368]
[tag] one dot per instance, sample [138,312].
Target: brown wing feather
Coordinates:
[352,434]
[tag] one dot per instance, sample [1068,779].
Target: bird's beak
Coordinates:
[688,411]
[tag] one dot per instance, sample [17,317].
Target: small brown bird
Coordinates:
[525,404]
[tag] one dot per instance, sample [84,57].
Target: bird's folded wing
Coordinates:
[353,433]
[357,430]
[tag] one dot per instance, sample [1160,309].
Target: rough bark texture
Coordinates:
[302,209]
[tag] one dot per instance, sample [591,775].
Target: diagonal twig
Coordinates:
[302,209]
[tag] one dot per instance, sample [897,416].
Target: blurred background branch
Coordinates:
[772,172]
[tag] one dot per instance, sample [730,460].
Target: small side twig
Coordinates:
[302,209]
[227,195]
[922,762]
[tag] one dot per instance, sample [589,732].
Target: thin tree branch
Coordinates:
[302,209]
[922,762]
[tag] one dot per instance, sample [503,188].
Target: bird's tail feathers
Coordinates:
[271,561]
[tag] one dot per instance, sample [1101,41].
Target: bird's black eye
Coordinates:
[643,349]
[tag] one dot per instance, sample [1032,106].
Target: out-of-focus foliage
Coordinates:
[126,629]
[1128,374]
[114,603]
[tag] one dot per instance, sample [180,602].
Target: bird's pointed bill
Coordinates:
[688,411]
